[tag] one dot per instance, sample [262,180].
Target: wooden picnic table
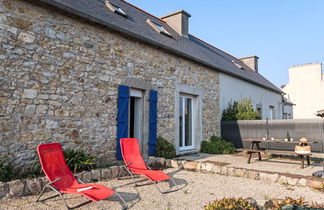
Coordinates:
[255,148]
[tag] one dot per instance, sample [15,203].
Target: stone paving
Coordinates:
[267,164]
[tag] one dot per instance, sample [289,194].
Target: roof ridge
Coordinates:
[214,47]
[132,5]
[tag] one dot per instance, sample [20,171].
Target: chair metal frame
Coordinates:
[49,185]
[125,167]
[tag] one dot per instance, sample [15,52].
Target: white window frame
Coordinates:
[197,93]
[193,120]
[271,113]
[158,27]
[115,8]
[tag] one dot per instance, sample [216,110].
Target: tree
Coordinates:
[242,110]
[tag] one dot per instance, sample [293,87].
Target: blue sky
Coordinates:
[281,33]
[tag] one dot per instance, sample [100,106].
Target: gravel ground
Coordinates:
[197,190]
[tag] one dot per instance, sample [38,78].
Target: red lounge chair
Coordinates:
[61,179]
[136,165]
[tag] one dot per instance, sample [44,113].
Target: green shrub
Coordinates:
[242,110]
[78,160]
[217,145]
[164,148]
[6,169]
[230,112]
[230,203]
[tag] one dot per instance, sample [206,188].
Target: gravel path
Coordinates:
[198,190]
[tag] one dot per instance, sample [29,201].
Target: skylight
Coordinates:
[238,65]
[116,9]
[159,28]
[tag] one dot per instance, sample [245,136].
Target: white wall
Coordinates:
[232,88]
[306,90]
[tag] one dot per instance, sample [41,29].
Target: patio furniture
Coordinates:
[135,165]
[61,179]
[255,148]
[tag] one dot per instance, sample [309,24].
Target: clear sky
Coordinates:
[281,33]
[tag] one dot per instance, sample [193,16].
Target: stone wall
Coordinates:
[59,77]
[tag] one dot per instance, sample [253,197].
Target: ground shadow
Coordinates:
[142,181]
[127,196]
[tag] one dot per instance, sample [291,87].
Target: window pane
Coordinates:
[180,121]
[188,122]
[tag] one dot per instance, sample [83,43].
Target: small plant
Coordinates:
[164,148]
[217,145]
[6,169]
[78,160]
[230,203]
[278,204]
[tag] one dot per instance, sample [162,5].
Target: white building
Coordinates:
[306,90]
[267,101]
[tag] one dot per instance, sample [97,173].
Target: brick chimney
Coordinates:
[252,62]
[179,21]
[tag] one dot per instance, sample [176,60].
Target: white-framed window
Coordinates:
[115,8]
[271,113]
[186,122]
[158,27]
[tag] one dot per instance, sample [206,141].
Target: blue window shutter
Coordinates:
[122,117]
[153,122]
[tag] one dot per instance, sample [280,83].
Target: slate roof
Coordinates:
[136,26]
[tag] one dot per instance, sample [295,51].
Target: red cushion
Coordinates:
[151,174]
[96,193]
[54,166]
[133,158]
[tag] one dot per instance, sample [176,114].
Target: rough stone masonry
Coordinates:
[59,77]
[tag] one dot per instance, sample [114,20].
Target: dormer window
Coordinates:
[116,9]
[159,28]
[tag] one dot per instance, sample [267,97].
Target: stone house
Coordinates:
[87,73]
[305,89]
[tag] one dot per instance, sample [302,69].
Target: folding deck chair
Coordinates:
[61,179]
[134,164]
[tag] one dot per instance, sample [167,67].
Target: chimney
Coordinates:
[179,21]
[252,62]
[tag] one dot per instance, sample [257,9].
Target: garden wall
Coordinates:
[313,129]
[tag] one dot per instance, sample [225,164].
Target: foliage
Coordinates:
[245,111]
[278,204]
[164,148]
[230,203]
[230,112]
[6,169]
[288,201]
[78,160]
[217,145]
[242,110]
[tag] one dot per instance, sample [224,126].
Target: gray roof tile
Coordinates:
[136,26]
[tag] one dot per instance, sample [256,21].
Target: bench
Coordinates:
[278,152]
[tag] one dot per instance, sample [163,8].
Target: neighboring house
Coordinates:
[87,73]
[306,90]
[288,112]
[266,99]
